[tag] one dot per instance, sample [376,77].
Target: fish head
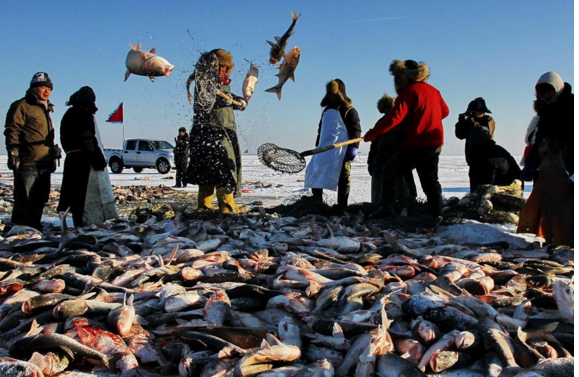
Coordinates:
[292,57]
[564,292]
[157,66]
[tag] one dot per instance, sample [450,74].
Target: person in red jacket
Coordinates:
[419,109]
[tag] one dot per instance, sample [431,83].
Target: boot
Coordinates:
[205,198]
[226,203]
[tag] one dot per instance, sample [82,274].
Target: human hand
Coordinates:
[369,137]
[351,153]
[13,161]
[242,104]
[528,173]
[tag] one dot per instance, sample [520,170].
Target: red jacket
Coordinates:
[420,110]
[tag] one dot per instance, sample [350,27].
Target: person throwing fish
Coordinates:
[215,155]
[340,122]
[31,150]
[419,109]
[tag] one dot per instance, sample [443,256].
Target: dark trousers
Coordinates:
[181,166]
[31,190]
[425,161]
[343,186]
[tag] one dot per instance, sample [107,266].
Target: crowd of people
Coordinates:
[408,137]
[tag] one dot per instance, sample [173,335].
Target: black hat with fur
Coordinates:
[336,89]
[415,72]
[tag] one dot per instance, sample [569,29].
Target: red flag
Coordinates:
[117,115]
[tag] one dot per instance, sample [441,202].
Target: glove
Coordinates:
[242,104]
[351,153]
[528,173]
[228,101]
[369,136]
[13,161]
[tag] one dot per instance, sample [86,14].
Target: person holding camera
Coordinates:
[32,154]
[181,153]
[488,162]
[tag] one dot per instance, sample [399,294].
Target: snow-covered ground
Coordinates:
[273,188]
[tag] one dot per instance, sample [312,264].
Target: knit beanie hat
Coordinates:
[553,79]
[479,105]
[41,79]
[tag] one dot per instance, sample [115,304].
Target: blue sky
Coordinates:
[495,49]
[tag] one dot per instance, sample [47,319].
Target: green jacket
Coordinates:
[29,130]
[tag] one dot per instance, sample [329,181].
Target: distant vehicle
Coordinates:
[140,154]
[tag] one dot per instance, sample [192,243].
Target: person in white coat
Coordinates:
[340,122]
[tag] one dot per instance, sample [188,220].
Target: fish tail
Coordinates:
[276,89]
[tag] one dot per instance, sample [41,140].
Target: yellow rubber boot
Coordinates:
[226,203]
[205,198]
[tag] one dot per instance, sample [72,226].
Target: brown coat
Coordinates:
[29,130]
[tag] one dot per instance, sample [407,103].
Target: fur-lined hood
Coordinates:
[225,59]
[338,88]
[415,72]
[385,104]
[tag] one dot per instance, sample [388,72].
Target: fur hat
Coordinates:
[337,88]
[385,104]
[415,72]
[225,59]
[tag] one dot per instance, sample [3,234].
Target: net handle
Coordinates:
[225,96]
[330,147]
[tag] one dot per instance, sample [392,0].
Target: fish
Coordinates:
[564,297]
[55,342]
[250,81]
[121,318]
[277,50]
[286,70]
[144,63]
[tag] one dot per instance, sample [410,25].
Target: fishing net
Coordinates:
[206,77]
[281,159]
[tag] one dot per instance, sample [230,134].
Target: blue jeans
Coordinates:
[31,190]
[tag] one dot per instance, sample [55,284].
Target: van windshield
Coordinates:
[161,144]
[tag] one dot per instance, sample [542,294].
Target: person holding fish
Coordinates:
[340,122]
[419,109]
[215,155]
[31,150]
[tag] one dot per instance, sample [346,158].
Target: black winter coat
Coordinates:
[556,125]
[181,150]
[78,138]
[476,131]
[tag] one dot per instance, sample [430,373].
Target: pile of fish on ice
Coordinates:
[269,296]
